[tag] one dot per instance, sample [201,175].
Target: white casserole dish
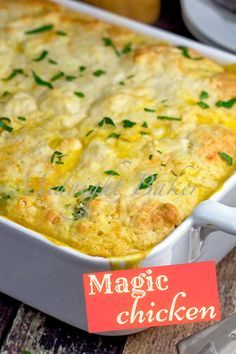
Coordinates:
[49,277]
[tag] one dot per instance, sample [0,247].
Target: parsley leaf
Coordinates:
[169,118]
[4,126]
[40,81]
[42,56]
[99,72]
[127,123]
[58,76]
[106,120]
[92,191]
[203,105]
[148,181]
[79,94]
[5,94]
[185,53]
[70,78]
[151,110]
[90,132]
[59,189]
[144,125]
[203,95]
[127,48]
[57,158]
[227,158]
[82,68]
[113,136]
[111,173]
[21,118]
[53,62]
[14,73]
[109,43]
[41,29]
[226,104]
[61,33]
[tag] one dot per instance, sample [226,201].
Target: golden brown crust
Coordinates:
[226,82]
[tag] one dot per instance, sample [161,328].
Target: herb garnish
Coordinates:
[99,72]
[6,119]
[42,56]
[185,53]
[113,136]
[226,104]
[121,83]
[127,48]
[79,94]
[59,189]
[203,105]
[57,157]
[111,173]
[5,94]
[169,118]
[58,76]
[61,33]
[40,81]
[144,133]
[203,95]
[41,29]
[14,73]
[148,181]
[90,132]
[150,157]
[4,126]
[106,120]
[70,78]
[82,68]
[21,118]
[53,62]
[109,43]
[151,110]
[144,125]
[127,123]
[227,158]
[93,192]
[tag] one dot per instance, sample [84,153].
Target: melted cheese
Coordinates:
[100,113]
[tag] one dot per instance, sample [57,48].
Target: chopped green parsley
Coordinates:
[185,53]
[128,124]
[226,104]
[41,29]
[106,120]
[40,81]
[111,173]
[42,56]
[227,158]
[148,181]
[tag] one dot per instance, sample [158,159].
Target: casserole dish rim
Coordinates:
[215,54]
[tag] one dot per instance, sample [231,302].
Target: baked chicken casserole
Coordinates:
[108,139]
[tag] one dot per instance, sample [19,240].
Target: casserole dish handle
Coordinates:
[215,216]
[209,216]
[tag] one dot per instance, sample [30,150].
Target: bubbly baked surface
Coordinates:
[108,139]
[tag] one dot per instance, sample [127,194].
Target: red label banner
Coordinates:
[148,297]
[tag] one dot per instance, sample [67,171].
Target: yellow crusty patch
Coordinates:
[108,139]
